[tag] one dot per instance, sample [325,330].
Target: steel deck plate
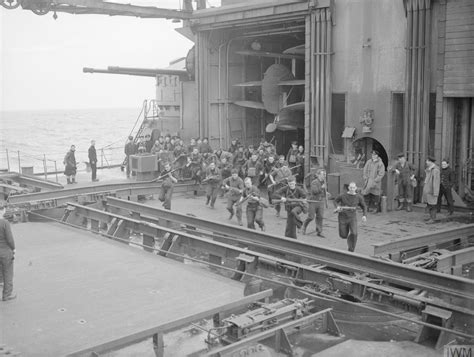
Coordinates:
[76,289]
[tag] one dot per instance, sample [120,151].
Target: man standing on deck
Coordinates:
[447,181]
[166,191]
[7,254]
[70,165]
[93,161]
[405,175]
[347,204]
[431,188]
[374,171]
[130,149]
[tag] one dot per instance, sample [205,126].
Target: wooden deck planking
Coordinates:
[115,289]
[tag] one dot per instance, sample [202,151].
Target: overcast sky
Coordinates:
[42,59]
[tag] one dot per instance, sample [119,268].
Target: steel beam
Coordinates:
[250,13]
[388,271]
[453,262]
[119,189]
[170,326]
[397,247]
[31,181]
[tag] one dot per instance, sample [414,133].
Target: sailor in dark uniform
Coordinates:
[166,191]
[294,199]
[254,205]
[234,186]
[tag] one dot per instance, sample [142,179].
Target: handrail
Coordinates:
[21,161]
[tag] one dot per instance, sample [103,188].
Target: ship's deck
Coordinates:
[76,289]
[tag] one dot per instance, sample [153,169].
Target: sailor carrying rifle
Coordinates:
[318,195]
[234,186]
[294,199]
[169,180]
[347,204]
[212,180]
[255,204]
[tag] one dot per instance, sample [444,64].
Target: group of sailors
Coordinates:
[192,160]
[243,174]
[255,176]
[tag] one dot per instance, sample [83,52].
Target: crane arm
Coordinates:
[42,7]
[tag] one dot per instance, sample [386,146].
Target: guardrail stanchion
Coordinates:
[45,168]
[56,170]
[8,160]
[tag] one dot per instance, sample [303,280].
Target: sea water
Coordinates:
[42,138]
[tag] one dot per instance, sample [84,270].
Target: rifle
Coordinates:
[213,177]
[303,200]
[241,202]
[294,167]
[167,174]
[344,208]
[326,195]
[260,201]
[179,157]
[231,189]
[281,181]
[267,175]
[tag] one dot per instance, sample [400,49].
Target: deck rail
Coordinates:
[47,166]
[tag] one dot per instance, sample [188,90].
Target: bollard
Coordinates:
[383,204]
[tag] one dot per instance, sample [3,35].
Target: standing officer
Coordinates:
[405,173]
[7,254]
[317,192]
[93,160]
[130,149]
[254,206]
[431,188]
[293,197]
[374,171]
[447,182]
[70,165]
[347,204]
[234,186]
[167,186]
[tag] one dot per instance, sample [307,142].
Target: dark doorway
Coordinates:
[365,146]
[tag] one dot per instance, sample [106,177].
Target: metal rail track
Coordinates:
[440,284]
[120,189]
[30,181]
[457,303]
